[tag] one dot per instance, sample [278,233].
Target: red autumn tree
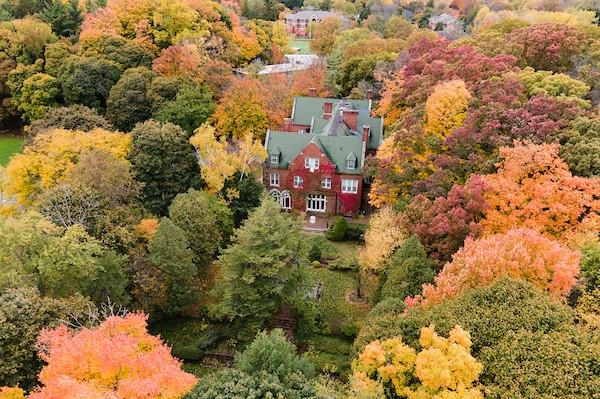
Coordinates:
[117,359]
[548,47]
[534,188]
[518,253]
[443,224]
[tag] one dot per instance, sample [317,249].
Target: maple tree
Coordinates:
[443,224]
[181,59]
[243,109]
[443,368]
[534,188]
[518,253]
[53,155]
[118,358]
[446,108]
[11,393]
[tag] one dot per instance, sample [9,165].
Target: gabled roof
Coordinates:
[310,14]
[337,148]
[309,111]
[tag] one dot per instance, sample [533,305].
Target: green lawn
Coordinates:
[301,45]
[8,147]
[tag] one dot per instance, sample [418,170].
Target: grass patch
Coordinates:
[301,44]
[331,355]
[8,147]
[338,316]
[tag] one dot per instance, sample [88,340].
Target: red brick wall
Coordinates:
[337,202]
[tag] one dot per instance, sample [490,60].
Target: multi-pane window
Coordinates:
[349,186]
[274,158]
[351,164]
[286,200]
[298,181]
[311,163]
[326,182]
[316,203]
[274,179]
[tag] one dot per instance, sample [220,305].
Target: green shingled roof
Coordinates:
[337,148]
[309,111]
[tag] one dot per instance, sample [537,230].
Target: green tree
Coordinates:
[532,365]
[206,222]
[191,107]
[126,53]
[580,147]
[164,161]
[169,251]
[88,80]
[34,252]
[407,270]
[65,17]
[55,55]
[73,117]
[128,102]
[24,313]
[40,92]
[261,270]
[242,195]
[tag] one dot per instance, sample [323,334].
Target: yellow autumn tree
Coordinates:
[384,234]
[221,159]
[53,155]
[446,107]
[444,368]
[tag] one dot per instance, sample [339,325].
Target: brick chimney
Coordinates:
[366,133]
[287,124]
[369,94]
[312,91]
[327,109]
[350,116]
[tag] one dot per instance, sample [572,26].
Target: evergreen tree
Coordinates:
[261,269]
[65,17]
[408,269]
[169,251]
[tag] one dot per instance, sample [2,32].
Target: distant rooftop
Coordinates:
[309,15]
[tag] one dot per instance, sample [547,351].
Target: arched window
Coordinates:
[286,200]
[275,194]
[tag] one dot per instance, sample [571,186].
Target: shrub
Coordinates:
[314,254]
[342,264]
[532,365]
[274,354]
[188,352]
[230,383]
[337,232]
[488,313]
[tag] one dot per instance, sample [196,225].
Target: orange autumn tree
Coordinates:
[518,253]
[534,188]
[243,109]
[117,359]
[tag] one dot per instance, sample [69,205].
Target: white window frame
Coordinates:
[286,200]
[274,159]
[274,179]
[351,164]
[326,183]
[275,194]
[312,163]
[298,181]
[316,203]
[350,186]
